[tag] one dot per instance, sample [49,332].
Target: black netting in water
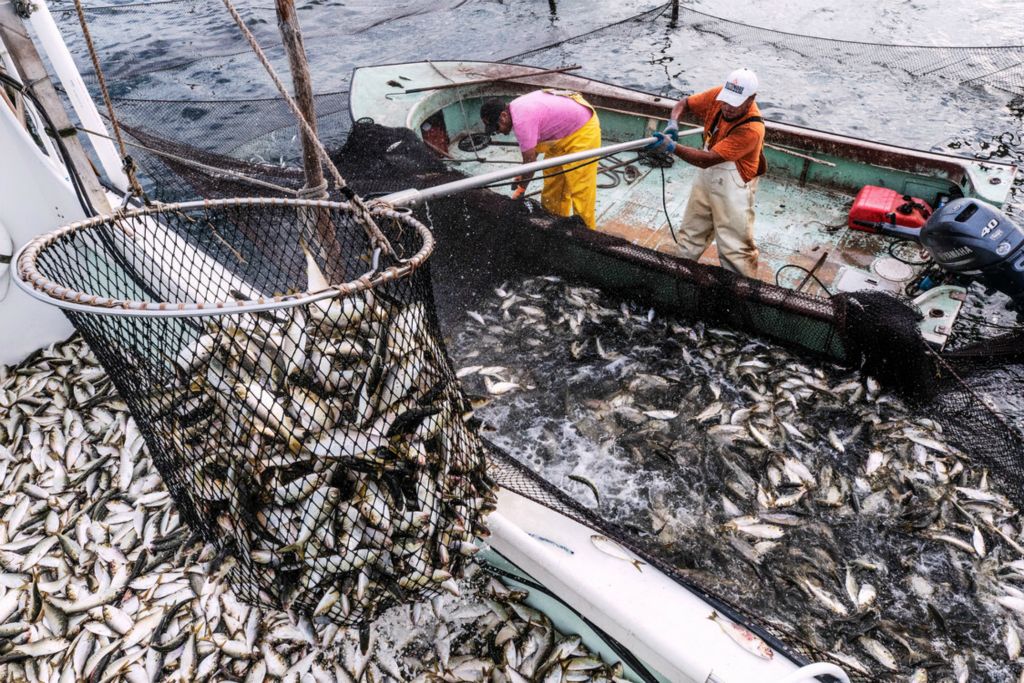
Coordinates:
[484,239]
[324,444]
[514,476]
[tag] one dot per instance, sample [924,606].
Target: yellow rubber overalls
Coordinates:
[574,192]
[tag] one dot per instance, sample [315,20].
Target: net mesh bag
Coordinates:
[293,389]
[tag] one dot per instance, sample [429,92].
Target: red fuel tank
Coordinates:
[435,133]
[881,205]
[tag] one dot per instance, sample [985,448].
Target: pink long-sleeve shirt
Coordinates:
[541,117]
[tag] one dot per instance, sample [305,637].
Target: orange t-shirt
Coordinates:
[743,146]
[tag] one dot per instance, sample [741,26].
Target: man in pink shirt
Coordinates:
[552,123]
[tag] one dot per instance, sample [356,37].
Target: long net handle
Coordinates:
[376,236]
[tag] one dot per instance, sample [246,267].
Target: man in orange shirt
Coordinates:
[721,202]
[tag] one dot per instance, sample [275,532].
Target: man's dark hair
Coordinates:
[490,110]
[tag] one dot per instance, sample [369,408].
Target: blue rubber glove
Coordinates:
[672,130]
[662,143]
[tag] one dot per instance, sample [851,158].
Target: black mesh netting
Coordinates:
[875,331]
[222,149]
[945,67]
[325,444]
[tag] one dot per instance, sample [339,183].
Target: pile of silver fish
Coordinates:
[329,445]
[101,581]
[801,491]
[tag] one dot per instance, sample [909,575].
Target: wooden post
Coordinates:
[675,14]
[302,83]
[288,22]
[553,6]
[26,57]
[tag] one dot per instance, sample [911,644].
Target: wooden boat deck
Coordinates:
[791,227]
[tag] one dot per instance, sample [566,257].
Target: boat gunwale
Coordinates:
[784,300]
[747,289]
[873,152]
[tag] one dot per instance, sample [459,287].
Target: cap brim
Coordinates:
[731,98]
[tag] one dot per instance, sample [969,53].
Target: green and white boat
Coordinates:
[808,253]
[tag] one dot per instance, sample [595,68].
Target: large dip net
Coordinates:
[295,393]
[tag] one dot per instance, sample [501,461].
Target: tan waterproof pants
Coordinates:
[721,205]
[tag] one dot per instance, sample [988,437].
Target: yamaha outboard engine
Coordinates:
[968,237]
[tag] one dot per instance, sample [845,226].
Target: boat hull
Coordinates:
[801,205]
[35,197]
[612,599]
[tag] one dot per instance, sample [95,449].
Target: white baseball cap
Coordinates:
[741,84]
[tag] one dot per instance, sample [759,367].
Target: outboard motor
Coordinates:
[970,238]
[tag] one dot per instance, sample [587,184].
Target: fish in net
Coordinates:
[313,431]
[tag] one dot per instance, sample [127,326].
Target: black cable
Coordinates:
[896,243]
[655,159]
[914,286]
[76,181]
[595,160]
[809,272]
[79,187]
[619,163]
[664,207]
[616,180]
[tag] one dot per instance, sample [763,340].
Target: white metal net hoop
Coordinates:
[142,240]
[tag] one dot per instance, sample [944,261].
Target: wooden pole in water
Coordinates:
[288,23]
[302,84]
[675,14]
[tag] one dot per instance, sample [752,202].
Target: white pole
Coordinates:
[60,57]
[412,196]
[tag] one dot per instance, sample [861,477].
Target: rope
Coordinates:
[805,36]
[376,236]
[214,171]
[134,220]
[127,163]
[313,192]
[134,5]
[652,13]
